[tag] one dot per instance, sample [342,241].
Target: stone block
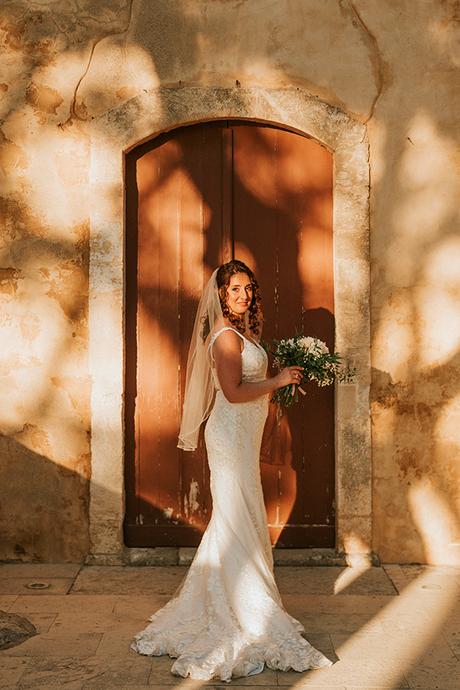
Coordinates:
[19,585]
[79,645]
[92,673]
[11,670]
[160,555]
[128,580]
[57,603]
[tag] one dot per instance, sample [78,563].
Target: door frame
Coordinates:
[144,117]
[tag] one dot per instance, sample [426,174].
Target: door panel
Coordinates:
[283,227]
[195,198]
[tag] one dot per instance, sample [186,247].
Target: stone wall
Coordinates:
[387,65]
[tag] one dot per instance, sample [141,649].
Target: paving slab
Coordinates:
[41,621]
[79,645]
[437,667]
[232,685]
[341,623]
[6,601]
[323,642]
[319,603]
[361,645]
[397,576]
[452,637]
[442,571]
[128,580]
[404,623]
[324,579]
[395,631]
[56,603]
[11,669]
[19,585]
[91,673]
[366,673]
[50,683]
[291,579]
[39,570]
[103,622]
[116,644]
[143,605]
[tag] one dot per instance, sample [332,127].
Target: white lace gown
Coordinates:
[226,618]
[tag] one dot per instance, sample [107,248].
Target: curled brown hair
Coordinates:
[223,277]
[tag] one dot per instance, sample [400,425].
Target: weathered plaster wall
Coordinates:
[389,65]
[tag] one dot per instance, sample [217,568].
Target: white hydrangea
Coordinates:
[322,347]
[310,344]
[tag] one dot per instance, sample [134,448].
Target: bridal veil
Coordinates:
[199,384]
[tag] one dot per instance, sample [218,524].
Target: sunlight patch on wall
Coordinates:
[54,185]
[447,452]
[355,546]
[428,180]
[23,374]
[260,72]
[434,521]
[438,304]
[427,173]
[394,340]
[448,426]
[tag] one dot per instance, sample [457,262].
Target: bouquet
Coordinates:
[319,365]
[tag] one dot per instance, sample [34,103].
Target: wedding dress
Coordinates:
[226,618]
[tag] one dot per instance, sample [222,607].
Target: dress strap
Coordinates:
[221,330]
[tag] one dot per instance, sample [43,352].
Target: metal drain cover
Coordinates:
[38,585]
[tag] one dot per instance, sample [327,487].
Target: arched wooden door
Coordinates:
[196,197]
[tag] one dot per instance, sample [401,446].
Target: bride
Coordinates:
[226,619]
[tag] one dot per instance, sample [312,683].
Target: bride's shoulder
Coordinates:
[229,336]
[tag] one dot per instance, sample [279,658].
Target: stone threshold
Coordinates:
[173,555]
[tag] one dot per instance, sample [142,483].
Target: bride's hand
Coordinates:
[289,375]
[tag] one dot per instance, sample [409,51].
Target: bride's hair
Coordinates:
[223,277]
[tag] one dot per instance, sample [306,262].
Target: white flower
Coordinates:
[322,347]
[307,343]
[313,345]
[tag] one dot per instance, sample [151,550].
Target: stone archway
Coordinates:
[143,117]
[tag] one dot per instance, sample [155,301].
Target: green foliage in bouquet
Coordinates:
[319,364]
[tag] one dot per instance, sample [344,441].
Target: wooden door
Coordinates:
[197,197]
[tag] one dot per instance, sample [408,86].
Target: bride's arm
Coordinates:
[227,358]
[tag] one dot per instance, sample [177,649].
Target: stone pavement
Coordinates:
[385,627]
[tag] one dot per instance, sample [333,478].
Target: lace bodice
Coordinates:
[254,360]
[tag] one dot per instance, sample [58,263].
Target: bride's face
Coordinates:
[239,293]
